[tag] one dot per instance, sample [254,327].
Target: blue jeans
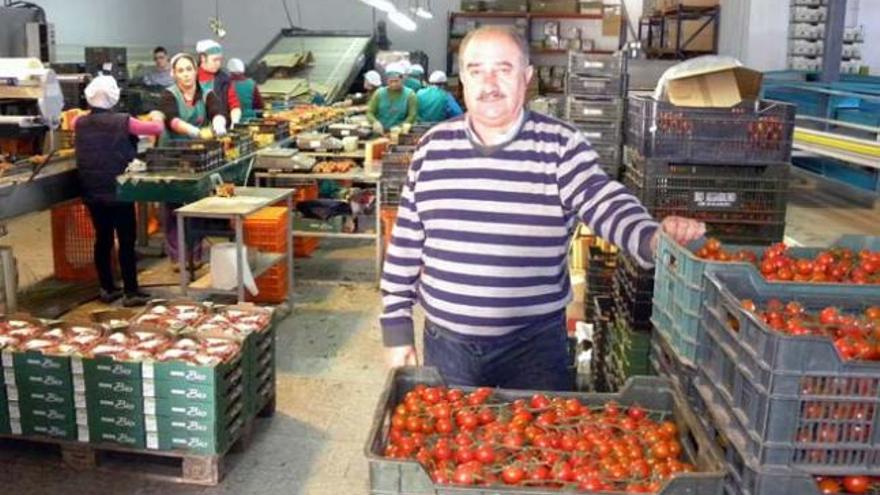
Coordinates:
[532,358]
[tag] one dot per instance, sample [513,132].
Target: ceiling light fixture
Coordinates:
[384,5]
[423,12]
[402,20]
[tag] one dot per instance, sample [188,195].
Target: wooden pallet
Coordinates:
[169,466]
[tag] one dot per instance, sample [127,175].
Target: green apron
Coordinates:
[392,112]
[245,91]
[196,115]
[432,104]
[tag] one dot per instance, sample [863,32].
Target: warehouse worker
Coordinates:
[487,258]
[372,82]
[435,103]
[246,90]
[161,73]
[393,104]
[106,141]
[212,77]
[414,77]
[190,112]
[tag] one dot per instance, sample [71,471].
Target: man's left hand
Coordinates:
[682,230]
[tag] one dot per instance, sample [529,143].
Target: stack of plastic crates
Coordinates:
[73,243]
[601,319]
[787,408]
[725,166]
[594,103]
[632,290]
[266,231]
[395,165]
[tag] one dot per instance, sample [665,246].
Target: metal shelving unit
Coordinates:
[547,57]
[653,32]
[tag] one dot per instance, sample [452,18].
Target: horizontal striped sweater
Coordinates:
[482,233]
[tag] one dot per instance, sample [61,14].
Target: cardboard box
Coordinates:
[703,42]
[590,7]
[554,6]
[721,86]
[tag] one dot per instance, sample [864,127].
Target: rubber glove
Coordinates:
[206,133]
[377,128]
[219,125]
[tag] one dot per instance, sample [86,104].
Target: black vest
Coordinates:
[104,147]
[221,89]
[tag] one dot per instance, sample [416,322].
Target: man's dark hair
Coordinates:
[160,49]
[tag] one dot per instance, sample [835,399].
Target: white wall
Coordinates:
[139,24]
[767,34]
[869,16]
[250,25]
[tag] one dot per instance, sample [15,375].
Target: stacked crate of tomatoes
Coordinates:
[785,355]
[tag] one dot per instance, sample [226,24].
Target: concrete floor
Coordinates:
[330,368]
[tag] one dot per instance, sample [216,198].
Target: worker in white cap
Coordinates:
[105,143]
[246,89]
[212,77]
[415,74]
[393,104]
[436,104]
[372,82]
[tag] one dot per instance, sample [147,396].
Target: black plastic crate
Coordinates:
[791,401]
[581,109]
[408,477]
[635,314]
[638,280]
[600,132]
[600,316]
[594,64]
[604,87]
[185,156]
[740,204]
[751,132]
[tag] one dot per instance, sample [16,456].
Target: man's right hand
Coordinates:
[404,355]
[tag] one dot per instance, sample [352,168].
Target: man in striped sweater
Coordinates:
[482,233]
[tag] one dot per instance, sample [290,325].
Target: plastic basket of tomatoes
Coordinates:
[796,370]
[747,479]
[678,280]
[739,203]
[427,438]
[755,131]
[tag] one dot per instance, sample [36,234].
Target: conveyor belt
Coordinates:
[848,149]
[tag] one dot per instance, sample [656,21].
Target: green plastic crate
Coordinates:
[679,286]
[196,437]
[193,409]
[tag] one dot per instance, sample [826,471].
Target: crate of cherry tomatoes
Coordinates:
[746,478]
[751,132]
[428,438]
[740,203]
[678,281]
[795,369]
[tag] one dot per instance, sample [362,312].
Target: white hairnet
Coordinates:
[208,46]
[437,77]
[235,65]
[396,69]
[416,70]
[373,78]
[102,92]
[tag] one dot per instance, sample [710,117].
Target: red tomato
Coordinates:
[856,484]
[512,475]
